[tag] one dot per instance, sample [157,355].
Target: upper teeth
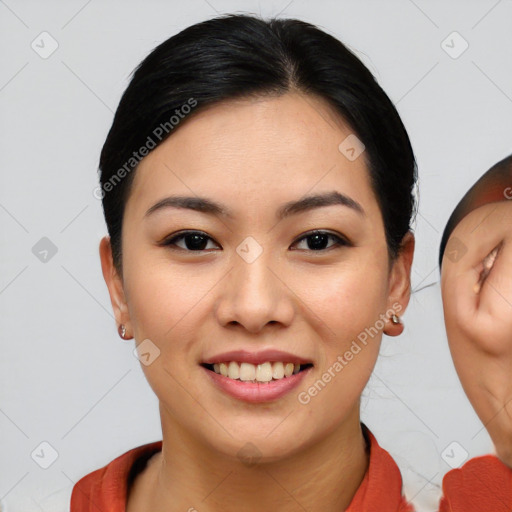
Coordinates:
[264,372]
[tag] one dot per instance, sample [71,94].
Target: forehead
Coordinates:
[488,216]
[254,151]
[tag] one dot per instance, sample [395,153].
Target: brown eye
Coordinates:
[317,240]
[193,241]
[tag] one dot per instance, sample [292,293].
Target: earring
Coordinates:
[396,328]
[122,331]
[395,319]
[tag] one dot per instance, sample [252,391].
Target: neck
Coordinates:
[186,476]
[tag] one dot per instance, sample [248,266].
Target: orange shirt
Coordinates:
[482,484]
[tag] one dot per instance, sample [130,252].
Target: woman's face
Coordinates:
[253,285]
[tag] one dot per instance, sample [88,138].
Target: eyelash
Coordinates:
[339,241]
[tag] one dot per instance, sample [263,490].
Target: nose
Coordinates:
[254,295]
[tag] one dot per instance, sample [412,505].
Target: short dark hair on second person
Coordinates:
[494,185]
[236,56]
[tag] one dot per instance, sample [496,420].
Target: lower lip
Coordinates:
[257,392]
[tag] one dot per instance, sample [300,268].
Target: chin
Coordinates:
[254,444]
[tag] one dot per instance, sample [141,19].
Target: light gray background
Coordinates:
[66,377]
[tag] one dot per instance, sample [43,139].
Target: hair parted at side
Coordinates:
[236,56]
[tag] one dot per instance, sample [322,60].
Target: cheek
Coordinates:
[163,296]
[349,297]
[351,302]
[165,303]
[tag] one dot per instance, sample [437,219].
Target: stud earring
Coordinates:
[122,331]
[395,319]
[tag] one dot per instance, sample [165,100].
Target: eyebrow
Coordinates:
[210,207]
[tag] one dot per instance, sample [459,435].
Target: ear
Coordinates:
[114,284]
[399,288]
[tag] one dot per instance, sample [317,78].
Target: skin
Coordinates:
[476,285]
[253,156]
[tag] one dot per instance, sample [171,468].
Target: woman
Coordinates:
[257,186]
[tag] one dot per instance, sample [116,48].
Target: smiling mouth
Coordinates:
[263,373]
